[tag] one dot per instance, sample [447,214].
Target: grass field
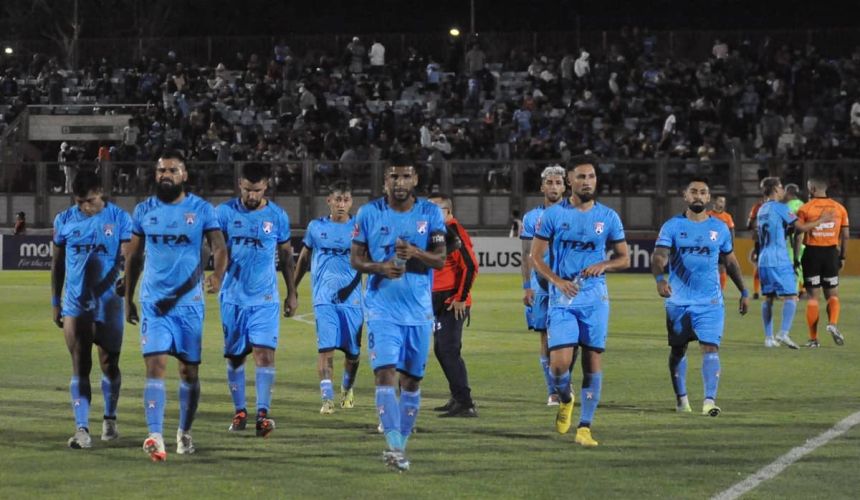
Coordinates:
[773,400]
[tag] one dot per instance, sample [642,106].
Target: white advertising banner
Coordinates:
[76,127]
[498,254]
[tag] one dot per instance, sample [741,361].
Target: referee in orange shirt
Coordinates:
[823,258]
[451,303]
[719,212]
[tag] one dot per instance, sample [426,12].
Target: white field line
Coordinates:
[773,469]
[301,318]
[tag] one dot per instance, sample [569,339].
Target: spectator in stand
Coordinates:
[20,224]
[355,52]
[377,57]
[475,60]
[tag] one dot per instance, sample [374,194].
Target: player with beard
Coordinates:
[398,240]
[256,230]
[693,244]
[170,227]
[535,287]
[578,231]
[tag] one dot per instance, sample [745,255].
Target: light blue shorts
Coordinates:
[702,322]
[779,281]
[246,327]
[585,325]
[178,333]
[339,328]
[404,347]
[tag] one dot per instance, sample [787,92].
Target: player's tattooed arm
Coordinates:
[359,259]
[219,257]
[434,257]
[659,259]
[58,277]
[539,249]
[133,267]
[733,269]
[526,271]
[288,271]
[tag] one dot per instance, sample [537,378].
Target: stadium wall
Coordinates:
[496,255]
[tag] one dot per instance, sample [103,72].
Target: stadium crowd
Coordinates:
[757,102]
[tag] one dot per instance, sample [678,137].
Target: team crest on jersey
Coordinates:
[323,236]
[267,227]
[422,227]
[712,235]
[189,218]
[108,229]
[355,230]
[598,228]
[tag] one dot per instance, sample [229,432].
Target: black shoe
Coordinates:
[447,406]
[461,411]
[755,296]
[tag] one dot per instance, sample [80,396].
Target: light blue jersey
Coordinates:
[772,221]
[406,300]
[93,258]
[252,237]
[695,249]
[538,283]
[576,241]
[333,280]
[173,270]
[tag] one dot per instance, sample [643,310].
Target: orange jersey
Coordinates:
[723,216]
[753,214]
[827,234]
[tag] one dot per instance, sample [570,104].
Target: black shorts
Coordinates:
[820,267]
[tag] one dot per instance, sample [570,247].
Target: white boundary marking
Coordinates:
[780,464]
[301,318]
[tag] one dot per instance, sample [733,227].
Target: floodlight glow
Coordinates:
[8,51]
[454,32]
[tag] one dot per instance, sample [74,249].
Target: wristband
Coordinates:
[527,286]
[55,301]
[659,278]
[745,293]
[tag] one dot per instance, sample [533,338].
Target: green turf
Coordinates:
[773,400]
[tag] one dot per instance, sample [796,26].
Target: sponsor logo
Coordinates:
[29,250]
[169,239]
[237,223]
[694,250]
[246,241]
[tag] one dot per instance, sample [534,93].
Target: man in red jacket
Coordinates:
[451,303]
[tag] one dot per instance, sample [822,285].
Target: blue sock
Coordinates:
[265,379]
[590,396]
[767,317]
[326,389]
[678,370]
[346,382]
[711,374]
[789,307]
[389,415]
[410,402]
[81,395]
[547,375]
[561,386]
[110,391]
[189,396]
[236,384]
[154,400]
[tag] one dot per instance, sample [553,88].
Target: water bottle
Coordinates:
[398,262]
[578,281]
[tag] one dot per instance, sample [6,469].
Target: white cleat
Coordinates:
[785,340]
[396,460]
[552,400]
[184,444]
[770,342]
[834,332]
[109,432]
[153,446]
[81,439]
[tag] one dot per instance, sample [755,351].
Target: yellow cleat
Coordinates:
[327,407]
[710,409]
[562,418]
[347,399]
[583,437]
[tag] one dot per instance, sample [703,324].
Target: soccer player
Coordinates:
[89,244]
[398,240]
[256,231]
[578,231]
[751,226]
[692,244]
[774,267]
[793,202]
[167,242]
[535,287]
[452,302]
[336,290]
[719,212]
[823,258]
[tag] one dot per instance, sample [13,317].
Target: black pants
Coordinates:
[447,344]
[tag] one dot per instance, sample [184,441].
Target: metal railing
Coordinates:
[645,192]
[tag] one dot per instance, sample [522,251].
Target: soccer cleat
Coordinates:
[552,400]
[562,418]
[153,445]
[184,444]
[785,340]
[380,429]
[834,332]
[347,398]
[447,406]
[583,437]
[109,432]
[770,342]
[710,409]
[395,460]
[684,407]
[265,426]
[81,439]
[755,296]
[240,421]
[327,407]
[462,411]
[812,344]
